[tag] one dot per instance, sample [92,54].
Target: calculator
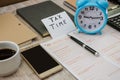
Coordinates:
[114,18]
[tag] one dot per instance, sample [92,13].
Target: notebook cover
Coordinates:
[70,4]
[33,15]
[14,30]
[8,2]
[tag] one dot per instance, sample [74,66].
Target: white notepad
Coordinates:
[59,24]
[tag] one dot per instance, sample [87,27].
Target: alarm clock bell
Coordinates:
[91,15]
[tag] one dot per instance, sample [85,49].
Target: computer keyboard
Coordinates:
[114,22]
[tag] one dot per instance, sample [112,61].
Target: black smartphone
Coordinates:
[41,62]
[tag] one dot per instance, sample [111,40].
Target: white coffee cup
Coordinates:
[10,65]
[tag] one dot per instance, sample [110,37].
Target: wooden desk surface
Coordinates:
[25,72]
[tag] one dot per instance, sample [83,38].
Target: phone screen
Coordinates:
[39,59]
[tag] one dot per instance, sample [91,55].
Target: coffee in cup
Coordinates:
[6,53]
[10,59]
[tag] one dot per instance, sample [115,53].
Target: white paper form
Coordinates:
[81,63]
[107,44]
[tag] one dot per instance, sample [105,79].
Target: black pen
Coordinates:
[84,46]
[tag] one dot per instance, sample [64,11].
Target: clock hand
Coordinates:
[93,17]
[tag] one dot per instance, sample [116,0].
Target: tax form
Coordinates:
[81,63]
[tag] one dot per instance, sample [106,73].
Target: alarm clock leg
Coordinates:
[100,33]
[79,30]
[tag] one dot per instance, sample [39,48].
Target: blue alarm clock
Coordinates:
[91,15]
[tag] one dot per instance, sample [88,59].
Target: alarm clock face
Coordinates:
[91,18]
